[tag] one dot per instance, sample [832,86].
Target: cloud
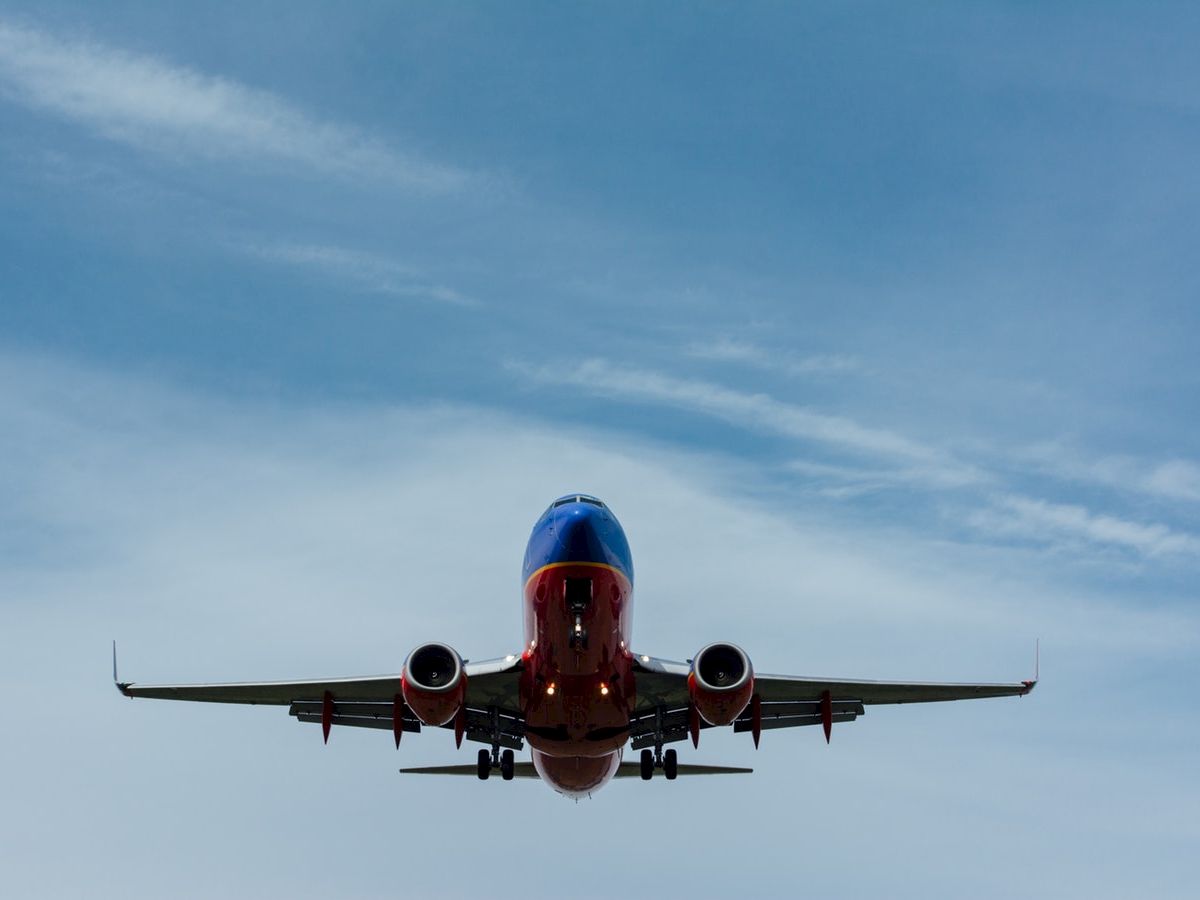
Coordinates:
[159,107]
[732,351]
[905,463]
[1177,478]
[1059,522]
[840,481]
[1172,479]
[756,411]
[366,271]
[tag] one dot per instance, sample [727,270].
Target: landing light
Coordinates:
[604,690]
[550,690]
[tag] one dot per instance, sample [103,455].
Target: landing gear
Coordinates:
[668,761]
[578,596]
[494,759]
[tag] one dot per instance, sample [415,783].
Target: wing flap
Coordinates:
[355,715]
[791,722]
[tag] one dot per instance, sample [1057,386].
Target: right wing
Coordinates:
[366,702]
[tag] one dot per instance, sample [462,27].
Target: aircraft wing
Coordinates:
[786,701]
[365,702]
[624,770]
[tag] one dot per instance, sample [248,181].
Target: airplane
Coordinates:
[577,693]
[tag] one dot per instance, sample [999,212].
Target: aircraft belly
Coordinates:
[579,689]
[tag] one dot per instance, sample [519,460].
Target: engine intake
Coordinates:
[434,683]
[721,683]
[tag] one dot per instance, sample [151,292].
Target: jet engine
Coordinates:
[433,683]
[721,683]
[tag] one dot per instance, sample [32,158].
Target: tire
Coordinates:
[671,764]
[647,765]
[506,765]
[484,767]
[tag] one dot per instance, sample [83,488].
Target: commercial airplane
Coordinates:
[577,693]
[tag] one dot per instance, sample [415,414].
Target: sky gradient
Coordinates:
[876,327]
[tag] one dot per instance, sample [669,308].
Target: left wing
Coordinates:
[785,701]
[492,701]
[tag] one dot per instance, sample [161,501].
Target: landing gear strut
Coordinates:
[668,761]
[494,759]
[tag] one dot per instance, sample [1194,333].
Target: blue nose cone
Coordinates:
[578,528]
[582,532]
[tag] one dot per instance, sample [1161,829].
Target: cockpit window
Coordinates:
[576,498]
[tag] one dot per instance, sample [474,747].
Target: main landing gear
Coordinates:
[487,761]
[667,761]
[494,759]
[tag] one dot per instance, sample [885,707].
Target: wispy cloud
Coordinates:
[1032,519]
[759,357]
[890,460]
[757,411]
[1172,479]
[153,105]
[365,271]
[839,481]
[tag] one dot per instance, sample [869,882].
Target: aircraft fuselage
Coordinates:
[578,687]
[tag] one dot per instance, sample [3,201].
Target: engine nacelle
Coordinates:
[721,683]
[434,683]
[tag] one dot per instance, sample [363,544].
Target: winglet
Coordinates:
[122,686]
[1037,667]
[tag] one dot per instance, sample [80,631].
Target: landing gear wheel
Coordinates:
[484,767]
[647,765]
[670,764]
[506,765]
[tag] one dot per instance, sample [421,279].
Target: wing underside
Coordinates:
[784,701]
[492,715]
[625,770]
[369,702]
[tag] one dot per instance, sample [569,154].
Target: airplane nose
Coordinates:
[581,531]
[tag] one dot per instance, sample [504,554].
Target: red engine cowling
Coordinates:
[433,683]
[721,683]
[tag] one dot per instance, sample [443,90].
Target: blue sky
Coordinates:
[875,325]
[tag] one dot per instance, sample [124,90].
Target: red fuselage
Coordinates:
[578,687]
